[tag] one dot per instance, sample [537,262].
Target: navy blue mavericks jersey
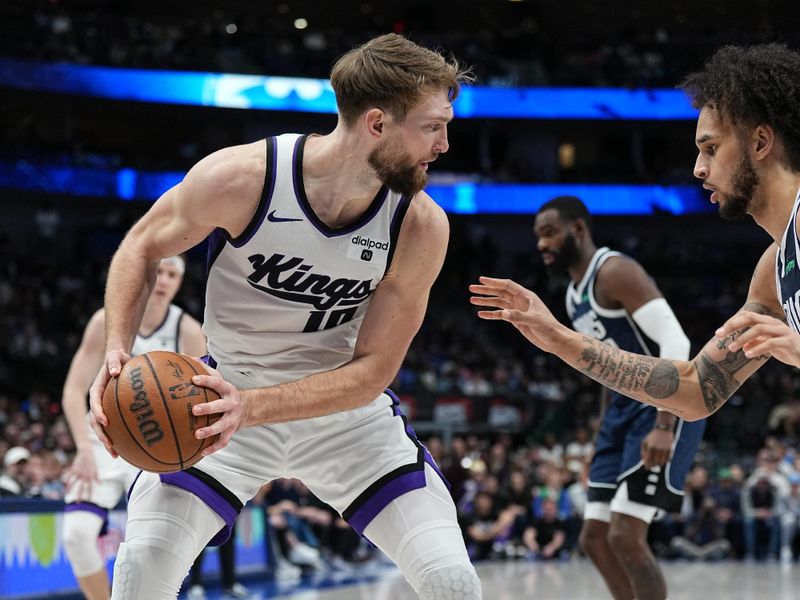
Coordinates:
[787,272]
[615,327]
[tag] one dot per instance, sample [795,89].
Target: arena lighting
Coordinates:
[315,95]
[455,198]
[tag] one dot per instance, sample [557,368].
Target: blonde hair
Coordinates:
[392,73]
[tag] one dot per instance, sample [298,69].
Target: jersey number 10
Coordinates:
[334,318]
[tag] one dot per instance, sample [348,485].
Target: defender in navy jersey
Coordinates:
[748,136]
[641,455]
[322,252]
[96,482]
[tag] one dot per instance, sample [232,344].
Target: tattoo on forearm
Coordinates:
[762,309]
[629,373]
[663,381]
[716,382]
[716,377]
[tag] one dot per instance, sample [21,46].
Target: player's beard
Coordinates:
[564,257]
[737,204]
[396,169]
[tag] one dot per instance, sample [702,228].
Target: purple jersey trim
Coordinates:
[92,508]
[266,197]
[302,199]
[208,495]
[381,499]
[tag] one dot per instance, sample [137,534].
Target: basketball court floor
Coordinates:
[574,580]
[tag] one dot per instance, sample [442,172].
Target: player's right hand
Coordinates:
[520,307]
[82,474]
[112,366]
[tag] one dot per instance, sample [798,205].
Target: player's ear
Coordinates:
[763,140]
[579,228]
[375,119]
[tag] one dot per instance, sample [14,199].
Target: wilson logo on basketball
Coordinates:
[148,427]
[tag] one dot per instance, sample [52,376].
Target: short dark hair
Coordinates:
[569,208]
[752,86]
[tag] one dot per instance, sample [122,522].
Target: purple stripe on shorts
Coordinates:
[88,507]
[413,435]
[92,508]
[130,489]
[393,489]
[213,499]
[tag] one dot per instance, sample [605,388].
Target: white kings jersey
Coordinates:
[165,337]
[287,297]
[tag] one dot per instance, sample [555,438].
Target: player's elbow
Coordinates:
[377,376]
[694,415]
[696,412]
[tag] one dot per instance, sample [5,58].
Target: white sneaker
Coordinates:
[196,592]
[284,570]
[303,554]
[237,590]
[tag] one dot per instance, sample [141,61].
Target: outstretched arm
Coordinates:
[690,389]
[82,369]
[221,191]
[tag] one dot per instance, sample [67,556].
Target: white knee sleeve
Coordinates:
[167,528]
[81,529]
[420,533]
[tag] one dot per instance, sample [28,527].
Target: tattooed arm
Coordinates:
[690,389]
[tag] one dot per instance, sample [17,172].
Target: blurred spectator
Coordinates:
[579,451]
[546,534]
[790,518]
[12,480]
[761,506]
[727,495]
[704,535]
[485,527]
[784,420]
[283,500]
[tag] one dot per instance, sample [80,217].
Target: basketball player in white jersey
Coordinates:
[97,482]
[748,136]
[322,252]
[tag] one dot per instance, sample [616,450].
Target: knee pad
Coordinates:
[149,572]
[456,581]
[81,529]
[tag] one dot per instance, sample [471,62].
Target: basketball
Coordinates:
[149,410]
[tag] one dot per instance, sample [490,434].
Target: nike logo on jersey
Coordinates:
[271,217]
[292,279]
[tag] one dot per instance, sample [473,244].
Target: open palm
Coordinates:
[519,306]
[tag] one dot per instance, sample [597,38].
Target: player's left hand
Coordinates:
[230,404]
[763,336]
[656,448]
